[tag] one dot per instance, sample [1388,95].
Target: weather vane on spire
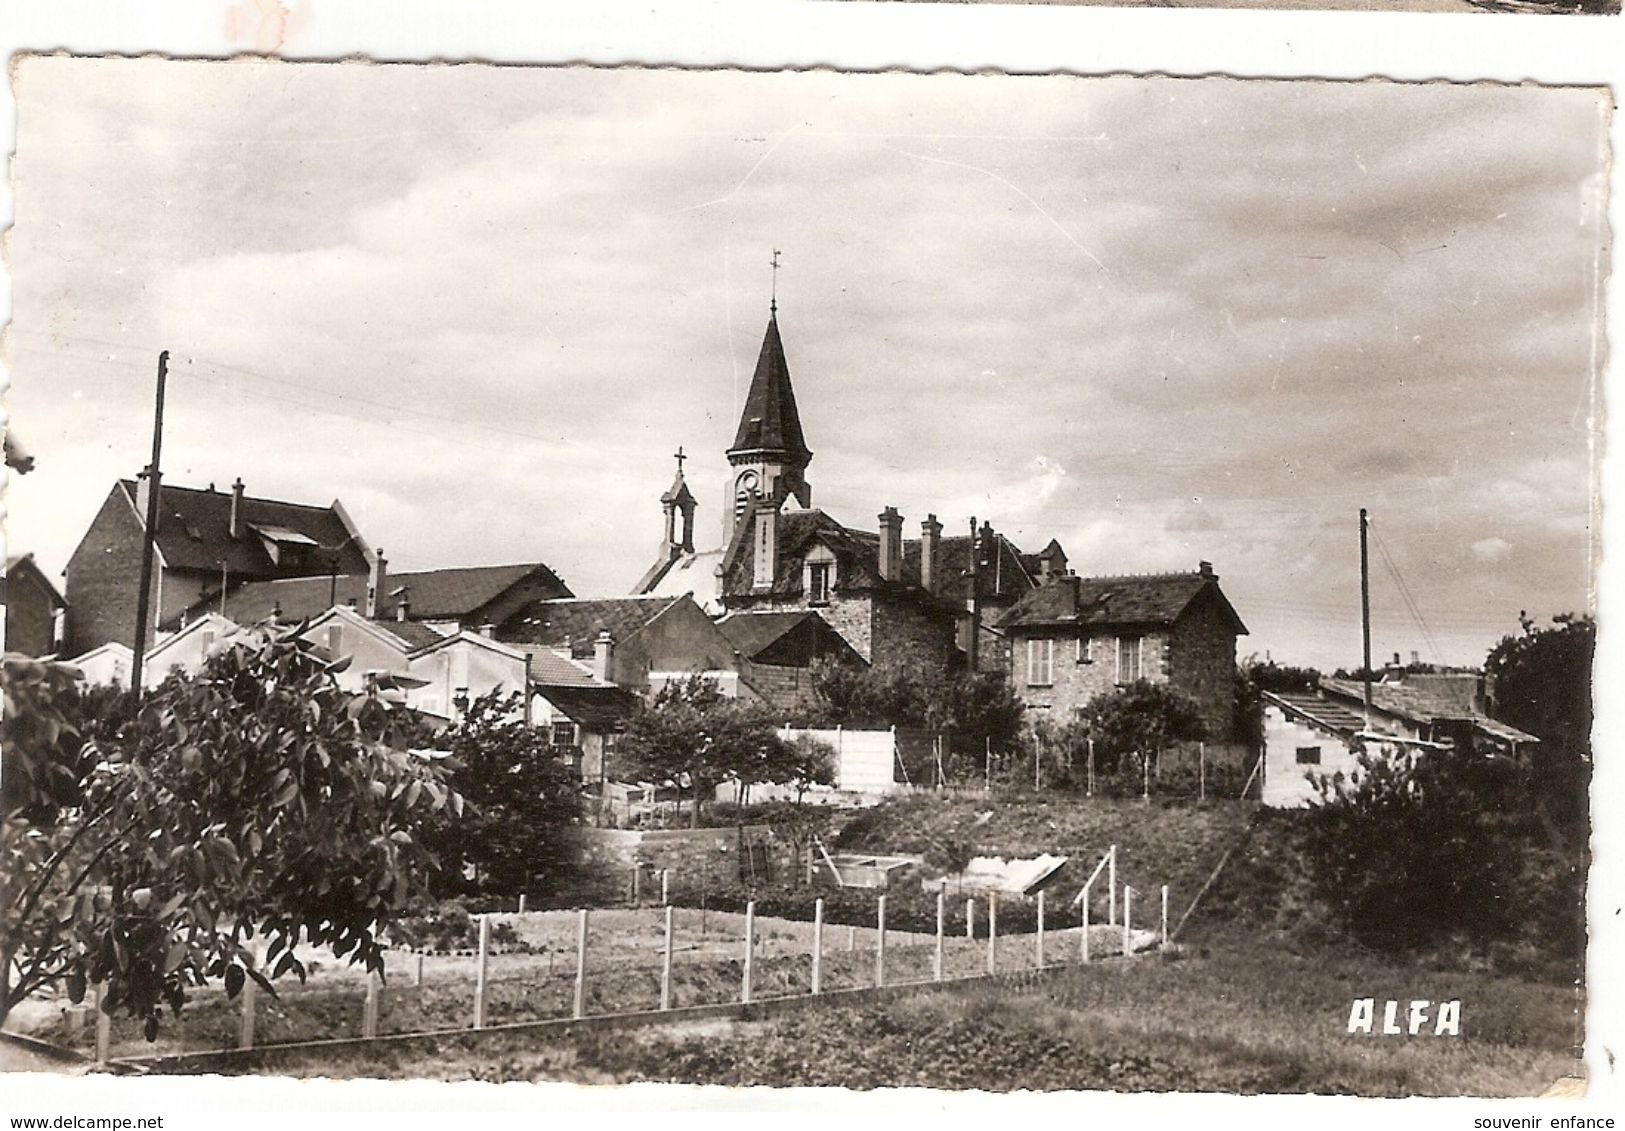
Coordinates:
[774,306]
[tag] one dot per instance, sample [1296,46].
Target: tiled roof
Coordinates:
[580,620]
[751,632]
[410,633]
[1421,704]
[1143,599]
[548,667]
[194,532]
[435,594]
[770,420]
[1324,713]
[600,709]
[26,564]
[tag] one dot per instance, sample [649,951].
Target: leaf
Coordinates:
[150,1029]
[234,981]
[76,986]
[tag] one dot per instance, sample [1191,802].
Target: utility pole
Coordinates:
[143,598]
[1365,615]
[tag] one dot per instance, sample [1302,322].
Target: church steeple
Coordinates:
[769,453]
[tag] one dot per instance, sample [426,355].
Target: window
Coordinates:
[564,733]
[1128,658]
[335,640]
[818,583]
[1308,755]
[1040,662]
[1086,650]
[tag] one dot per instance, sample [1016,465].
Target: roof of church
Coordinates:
[1136,599]
[770,421]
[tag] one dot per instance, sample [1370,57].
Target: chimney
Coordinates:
[1205,569]
[603,655]
[375,584]
[930,552]
[236,528]
[143,493]
[891,545]
[1415,658]
[488,630]
[767,545]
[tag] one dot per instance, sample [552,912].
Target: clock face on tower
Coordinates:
[747,483]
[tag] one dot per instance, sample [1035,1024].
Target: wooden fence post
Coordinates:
[1039,944]
[818,946]
[521,903]
[579,1009]
[1084,943]
[1164,914]
[992,932]
[665,886]
[970,918]
[942,915]
[880,941]
[481,970]
[417,972]
[1111,887]
[1089,789]
[637,885]
[851,938]
[1201,771]
[1128,897]
[750,950]
[369,1009]
[104,1024]
[665,962]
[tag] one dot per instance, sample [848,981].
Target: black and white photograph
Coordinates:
[781,579]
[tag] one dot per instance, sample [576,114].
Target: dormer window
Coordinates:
[819,575]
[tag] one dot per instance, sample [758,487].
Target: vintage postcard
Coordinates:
[858,580]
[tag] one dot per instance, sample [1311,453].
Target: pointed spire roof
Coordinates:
[770,421]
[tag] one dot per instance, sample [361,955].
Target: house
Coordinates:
[1078,637]
[447,600]
[584,721]
[375,648]
[187,650]
[930,603]
[31,607]
[777,650]
[205,540]
[455,670]
[637,643]
[1320,733]
[108,665]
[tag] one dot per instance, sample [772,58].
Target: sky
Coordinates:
[1158,320]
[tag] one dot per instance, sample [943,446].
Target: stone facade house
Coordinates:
[205,538]
[1078,637]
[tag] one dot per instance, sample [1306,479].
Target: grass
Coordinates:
[1242,1020]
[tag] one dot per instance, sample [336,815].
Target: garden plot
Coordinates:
[536,979]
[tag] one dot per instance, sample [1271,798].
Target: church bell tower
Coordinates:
[769,456]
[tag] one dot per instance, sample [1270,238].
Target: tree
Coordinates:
[804,762]
[521,798]
[692,731]
[256,799]
[1540,682]
[1410,848]
[1141,719]
[1255,676]
[978,708]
